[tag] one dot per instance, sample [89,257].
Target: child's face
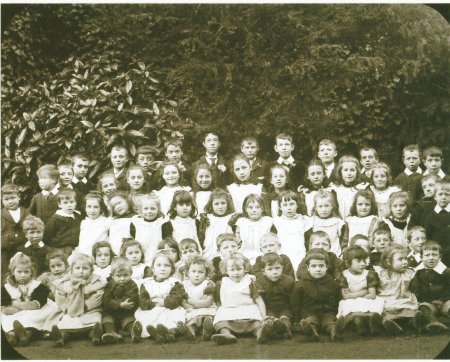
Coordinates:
[315,175]
[417,240]
[428,187]
[22,274]
[80,168]
[108,185]
[381,242]
[162,268]
[235,270]
[211,144]
[379,178]
[278,178]
[121,277]
[46,183]
[183,209]
[171,175]
[103,257]
[273,272]
[320,243]
[357,266]
[411,160]
[254,210]
[324,207]
[145,160]
[317,268]
[119,158]
[284,148]
[133,254]
[349,172]
[188,252]
[219,206]
[327,153]
[433,164]
[270,245]
[368,159]
[11,202]
[149,209]
[92,208]
[228,248]
[203,178]
[442,195]
[399,208]
[430,258]
[136,179]
[56,266]
[363,206]
[119,205]
[67,205]
[173,254]
[197,273]
[288,208]
[174,153]
[81,270]
[242,170]
[399,262]
[249,149]
[363,243]
[65,175]
[34,236]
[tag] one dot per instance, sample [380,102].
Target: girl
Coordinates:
[147,226]
[215,222]
[359,299]
[160,301]
[107,184]
[363,215]
[188,249]
[182,223]
[79,300]
[398,220]
[202,186]
[395,278]
[243,186]
[199,299]
[120,225]
[279,183]
[137,185]
[252,226]
[24,301]
[102,254]
[380,240]
[241,308]
[58,266]
[227,245]
[132,251]
[171,177]
[381,180]
[171,247]
[348,172]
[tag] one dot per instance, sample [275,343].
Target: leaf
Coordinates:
[32,126]
[155,109]
[21,137]
[83,110]
[153,80]
[105,93]
[141,65]
[130,100]
[26,116]
[128,86]
[88,124]
[173,103]
[68,143]
[120,107]
[132,149]
[135,133]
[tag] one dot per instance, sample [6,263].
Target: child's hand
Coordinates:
[30,305]
[126,304]
[9,310]
[222,168]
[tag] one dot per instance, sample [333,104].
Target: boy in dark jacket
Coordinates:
[45,203]
[427,203]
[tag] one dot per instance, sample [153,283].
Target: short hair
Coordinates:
[388,253]
[120,263]
[136,167]
[252,198]
[64,164]
[151,197]
[431,245]
[316,254]
[248,140]
[119,147]
[187,243]
[50,171]
[319,235]
[102,244]
[199,260]
[80,257]
[164,254]
[270,259]
[381,231]
[10,189]
[79,156]
[404,195]
[324,194]
[173,142]
[411,148]
[217,194]
[356,237]
[347,158]
[210,132]
[284,136]
[21,259]
[32,223]
[442,183]
[239,258]
[429,177]
[367,194]
[315,162]
[57,254]
[225,237]
[386,168]
[432,151]
[171,243]
[182,197]
[414,229]
[269,236]
[126,243]
[327,142]
[375,153]
[289,195]
[354,252]
[66,195]
[94,195]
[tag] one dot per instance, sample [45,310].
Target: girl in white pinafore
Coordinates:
[399,216]
[380,180]
[120,225]
[363,215]
[202,186]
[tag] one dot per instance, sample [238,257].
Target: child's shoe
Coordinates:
[208,328]
[136,332]
[436,327]
[341,323]
[419,321]
[21,333]
[334,334]
[170,335]
[11,338]
[359,324]
[184,330]
[112,337]
[265,332]
[307,328]
[161,332]
[97,334]
[392,327]
[57,336]
[223,339]
[282,328]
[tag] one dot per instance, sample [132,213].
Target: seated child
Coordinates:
[171,247]
[432,159]
[103,255]
[132,251]
[427,203]
[364,242]
[45,203]
[58,266]
[417,235]
[381,239]
[188,249]
[227,246]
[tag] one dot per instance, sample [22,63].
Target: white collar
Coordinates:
[329,169]
[15,214]
[416,255]
[441,173]
[289,160]
[64,214]
[438,209]
[69,186]
[439,268]
[40,244]
[118,173]
[75,180]
[408,172]
[53,191]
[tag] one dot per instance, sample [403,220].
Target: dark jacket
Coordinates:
[38,257]
[285,262]
[335,267]
[61,231]
[428,285]
[420,211]
[116,294]
[222,179]
[276,295]
[42,207]
[175,298]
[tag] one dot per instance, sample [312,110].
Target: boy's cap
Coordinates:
[146,149]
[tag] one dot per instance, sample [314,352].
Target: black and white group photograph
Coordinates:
[232,181]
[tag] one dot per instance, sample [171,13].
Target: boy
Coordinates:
[80,183]
[227,245]
[315,298]
[431,287]
[174,153]
[409,179]
[33,228]
[146,158]
[381,239]
[120,301]
[427,203]
[270,243]
[119,159]
[250,148]
[12,219]
[62,230]
[44,204]
[217,162]
[369,157]
[188,249]
[284,146]
[327,153]
[437,222]
[275,288]
[416,236]
[432,159]
[65,176]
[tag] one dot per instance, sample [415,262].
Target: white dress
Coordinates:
[399,236]
[138,273]
[201,199]
[250,233]
[149,234]
[356,283]
[159,315]
[382,199]
[239,192]
[196,291]
[166,196]
[333,227]
[92,231]
[119,229]
[185,228]
[217,225]
[103,273]
[309,199]
[359,225]
[291,233]
[345,196]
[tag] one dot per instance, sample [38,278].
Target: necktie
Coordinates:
[213,160]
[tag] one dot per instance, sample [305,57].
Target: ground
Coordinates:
[382,347]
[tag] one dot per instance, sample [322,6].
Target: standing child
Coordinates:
[65,175]
[137,182]
[58,266]
[202,186]
[44,204]
[107,184]
[368,157]
[103,254]
[132,251]
[80,183]
[363,215]
[146,158]
[258,166]
[327,154]
[427,203]
[278,184]
[432,159]
[174,154]
[409,179]
[380,185]
[120,225]
[416,236]
[171,247]
[380,239]
[119,160]
[227,245]
[188,249]
[398,219]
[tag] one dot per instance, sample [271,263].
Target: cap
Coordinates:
[146,149]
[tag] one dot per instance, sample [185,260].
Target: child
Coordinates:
[427,203]
[380,239]
[103,254]
[314,299]
[147,226]
[278,184]
[160,300]
[119,160]
[34,248]
[227,245]
[240,307]
[199,299]
[363,214]
[44,204]
[400,206]
[137,183]
[362,241]
[258,167]
[214,159]
[432,159]
[359,299]
[243,186]
[58,266]
[182,223]
[120,225]
[275,286]
[368,157]
[416,236]
[327,153]
[380,185]
[171,247]
[80,183]
[62,230]
[174,153]
[291,227]
[202,186]
[132,251]
[79,299]
[252,226]
[65,175]
[215,222]
[395,278]
[120,301]
[269,243]
[145,157]
[430,285]
[409,179]
[12,219]
[188,249]
[107,183]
